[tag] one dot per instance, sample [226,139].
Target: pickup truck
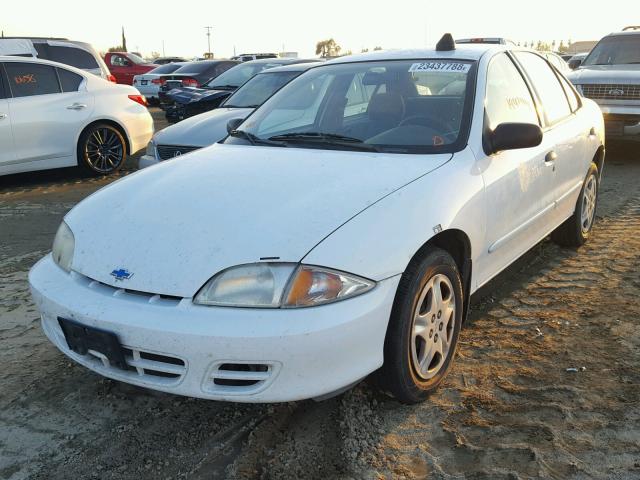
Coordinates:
[124,66]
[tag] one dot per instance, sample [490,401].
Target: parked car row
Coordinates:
[183,102]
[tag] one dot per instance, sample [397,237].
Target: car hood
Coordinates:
[201,130]
[610,74]
[192,94]
[176,225]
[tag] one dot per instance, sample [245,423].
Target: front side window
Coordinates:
[508,98]
[395,106]
[615,50]
[253,93]
[547,86]
[119,61]
[29,79]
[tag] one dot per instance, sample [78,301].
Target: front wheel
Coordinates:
[575,231]
[102,149]
[425,323]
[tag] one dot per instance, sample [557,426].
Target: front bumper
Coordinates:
[621,121]
[302,353]
[147,161]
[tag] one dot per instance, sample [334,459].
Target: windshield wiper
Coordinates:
[254,139]
[224,87]
[326,138]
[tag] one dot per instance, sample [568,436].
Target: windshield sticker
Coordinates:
[440,67]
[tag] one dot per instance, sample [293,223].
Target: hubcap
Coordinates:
[433,325]
[588,210]
[104,150]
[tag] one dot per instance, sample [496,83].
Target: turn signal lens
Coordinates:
[111,78]
[316,286]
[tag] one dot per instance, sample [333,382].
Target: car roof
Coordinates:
[624,33]
[283,61]
[296,67]
[14,58]
[471,51]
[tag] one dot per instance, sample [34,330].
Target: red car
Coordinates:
[124,66]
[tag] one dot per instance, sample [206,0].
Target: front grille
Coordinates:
[126,293]
[611,91]
[166,152]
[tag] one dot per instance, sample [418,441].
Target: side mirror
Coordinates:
[233,124]
[575,63]
[511,136]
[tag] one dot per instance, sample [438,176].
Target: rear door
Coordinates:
[7,152]
[49,107]
[565,136]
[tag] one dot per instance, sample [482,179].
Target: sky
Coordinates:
[287,25]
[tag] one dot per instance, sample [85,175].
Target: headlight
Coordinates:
[151,149]
[274,285]
[63,246]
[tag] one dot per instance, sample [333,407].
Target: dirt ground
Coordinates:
[510,408]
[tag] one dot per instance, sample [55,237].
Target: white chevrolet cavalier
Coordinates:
[338,231]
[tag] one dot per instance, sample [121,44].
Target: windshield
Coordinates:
[253,93]
[168,68]
[136,59]
[236,76]
[408,106]
[615,50]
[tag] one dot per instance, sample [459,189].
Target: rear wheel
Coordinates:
[102,149]
[575,231]
[425,323]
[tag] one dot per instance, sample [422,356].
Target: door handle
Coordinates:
[3,116]
[76,106]
[550,157]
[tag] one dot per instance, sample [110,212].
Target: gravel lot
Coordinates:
[509,409]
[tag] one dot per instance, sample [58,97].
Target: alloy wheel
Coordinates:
[104,150]
[588,210]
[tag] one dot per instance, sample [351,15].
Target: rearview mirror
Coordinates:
[575,63]
[510,136]
[233,124]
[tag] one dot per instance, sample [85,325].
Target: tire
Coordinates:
[102,149]
[575,231]
[416,327]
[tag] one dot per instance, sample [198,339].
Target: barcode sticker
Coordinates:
[455,67]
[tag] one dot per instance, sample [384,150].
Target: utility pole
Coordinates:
[208,40]
[163,49]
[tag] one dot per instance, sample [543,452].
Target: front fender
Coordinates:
[379,242]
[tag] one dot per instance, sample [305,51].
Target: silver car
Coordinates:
[210,127]
[610,75]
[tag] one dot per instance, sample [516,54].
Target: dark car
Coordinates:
[193,74]
[165,60]
[187,102]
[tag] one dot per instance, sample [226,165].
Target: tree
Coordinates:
[364,50]
[562,48]
[327,48]
[116,49]
[155,54]
[377,49]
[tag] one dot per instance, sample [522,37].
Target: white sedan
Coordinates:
[338,231]
[148,84]
[54,115]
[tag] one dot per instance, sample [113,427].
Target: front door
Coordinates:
[518,183]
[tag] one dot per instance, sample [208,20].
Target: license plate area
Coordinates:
[143,82]
[614,127]
[81,338]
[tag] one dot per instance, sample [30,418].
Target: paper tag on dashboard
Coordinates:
[455,67]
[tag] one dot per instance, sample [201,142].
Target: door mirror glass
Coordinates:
[511,136]
[233,124]
[575,63]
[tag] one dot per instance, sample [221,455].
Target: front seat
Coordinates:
[385,111]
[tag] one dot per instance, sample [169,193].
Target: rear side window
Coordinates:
[76,57]
[574,103]
[69,81]
[508,98]
[547,86]
[29,79]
